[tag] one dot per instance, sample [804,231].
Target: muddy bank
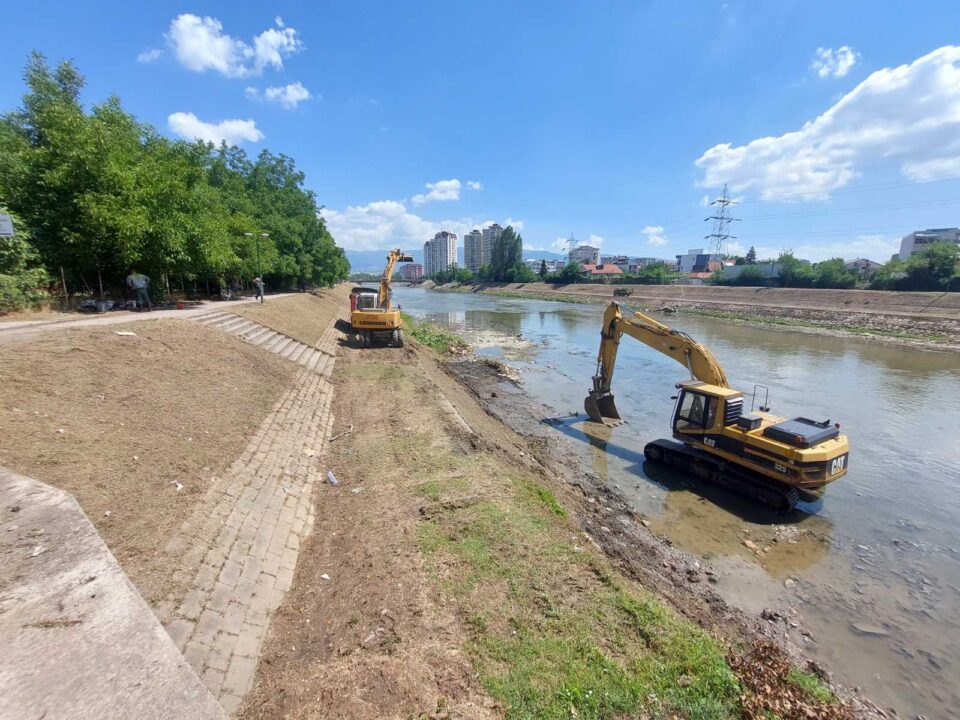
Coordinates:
[928,320]
[631,541]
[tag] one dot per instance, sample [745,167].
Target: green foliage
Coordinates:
[795,273]
[572,273]
[833,274]
[21,278]
[811,685]
[102,191]
[431,335]
[751,256]
[543,269]
[933,269]
[454,274]
[750,276]
[506,263]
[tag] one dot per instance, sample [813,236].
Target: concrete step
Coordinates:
[299,352]
[217,317]
[264,340]
[233,324]
[256,337]
[206,315]
[313,360]
[282,345]
[274,342]
[245,328]
[293,347]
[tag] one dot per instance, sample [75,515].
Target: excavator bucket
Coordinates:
[601,408]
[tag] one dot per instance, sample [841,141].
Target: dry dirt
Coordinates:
[373,640]
[117,421]
[303,316]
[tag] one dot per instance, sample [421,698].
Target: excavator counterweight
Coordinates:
[773,460]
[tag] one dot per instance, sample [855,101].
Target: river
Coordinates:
[873,569]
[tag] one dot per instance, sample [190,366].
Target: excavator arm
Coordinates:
[701,363]
[395,256]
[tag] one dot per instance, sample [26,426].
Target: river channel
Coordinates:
[872,570]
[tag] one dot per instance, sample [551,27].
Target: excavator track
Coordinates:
[703,466]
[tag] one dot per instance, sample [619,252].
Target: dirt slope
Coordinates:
[303,316]
[116,421]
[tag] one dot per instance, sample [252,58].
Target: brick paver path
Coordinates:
[245,537]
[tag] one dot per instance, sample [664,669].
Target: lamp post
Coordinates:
[258,236]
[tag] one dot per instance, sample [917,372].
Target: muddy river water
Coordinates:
[872,570]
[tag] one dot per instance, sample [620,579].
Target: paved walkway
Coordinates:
[21,328]
[245,537]
[76,639]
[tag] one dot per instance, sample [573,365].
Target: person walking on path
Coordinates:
[140,284]
[258,287]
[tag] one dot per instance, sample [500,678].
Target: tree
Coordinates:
[931,268]
[543,269]
[751,258]
[507,254]
[833,274]
[21,278]
[572,272]
[101,191]
[793,272]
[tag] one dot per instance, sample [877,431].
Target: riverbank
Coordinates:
[460,569]
[923,320]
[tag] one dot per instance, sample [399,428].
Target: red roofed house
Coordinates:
[602,270]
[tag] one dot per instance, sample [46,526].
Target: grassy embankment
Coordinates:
[554,631]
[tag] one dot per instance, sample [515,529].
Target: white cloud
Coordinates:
[654,235]
[705,201]
[190,127]
[148,56]
[287,96]
[908,114]
[200,44]
[594,241]
[441,190]
[387,223]
[474,185]
[834,63]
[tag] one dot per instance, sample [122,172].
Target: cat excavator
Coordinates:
[773,460]
[371,314]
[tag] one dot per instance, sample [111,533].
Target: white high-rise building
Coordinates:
[440,253]
[922,239]
[473,250]
[490,235]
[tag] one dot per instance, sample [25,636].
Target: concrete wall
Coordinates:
[76,639]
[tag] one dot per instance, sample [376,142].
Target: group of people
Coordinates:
[139,284]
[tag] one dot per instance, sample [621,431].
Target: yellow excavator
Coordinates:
[770,459]
[371,314]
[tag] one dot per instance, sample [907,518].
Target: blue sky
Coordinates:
[836,124]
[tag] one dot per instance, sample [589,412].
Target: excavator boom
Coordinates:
[395,256]
[701,363]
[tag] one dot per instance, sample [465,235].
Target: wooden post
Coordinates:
[100,281]
[63,281]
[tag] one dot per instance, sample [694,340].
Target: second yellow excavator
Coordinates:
[372,315]
[771,459]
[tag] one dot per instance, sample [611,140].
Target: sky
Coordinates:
[835,125]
